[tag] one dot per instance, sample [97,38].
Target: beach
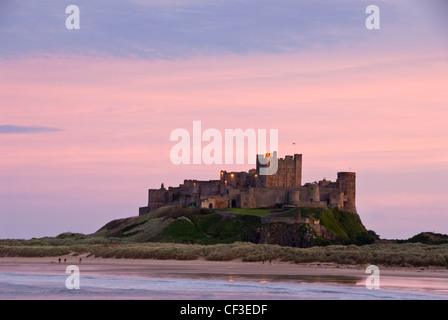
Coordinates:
[122,278]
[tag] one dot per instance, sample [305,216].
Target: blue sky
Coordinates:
[180,29]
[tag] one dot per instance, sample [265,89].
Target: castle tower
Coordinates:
[346,182]
[294,197]
[297,170]
[289,173]
[312,192]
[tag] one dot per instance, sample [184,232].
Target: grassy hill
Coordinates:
[201,226]
[427,238]
[191,225]
[181,225]
[187,233]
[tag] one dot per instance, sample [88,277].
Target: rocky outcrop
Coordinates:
[285,234]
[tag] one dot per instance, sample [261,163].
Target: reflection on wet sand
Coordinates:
[265,278]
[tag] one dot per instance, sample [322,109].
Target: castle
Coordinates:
[252,190]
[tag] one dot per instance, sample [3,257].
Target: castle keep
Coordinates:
[252,190]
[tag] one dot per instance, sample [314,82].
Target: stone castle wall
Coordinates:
[251,190]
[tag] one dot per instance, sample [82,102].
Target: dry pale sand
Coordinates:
[415,278]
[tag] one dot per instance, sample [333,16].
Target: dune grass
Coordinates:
[408,255]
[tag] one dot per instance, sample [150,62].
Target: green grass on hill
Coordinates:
[251,212]
[342,223]
[209,229]
[181,230]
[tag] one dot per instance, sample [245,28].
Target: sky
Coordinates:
[86,114]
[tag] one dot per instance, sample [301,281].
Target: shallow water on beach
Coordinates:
[18,285]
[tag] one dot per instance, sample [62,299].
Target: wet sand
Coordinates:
[434,279]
